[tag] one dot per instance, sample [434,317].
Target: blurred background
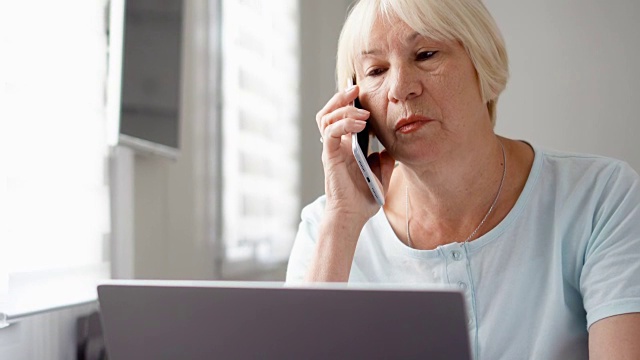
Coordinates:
[176,139]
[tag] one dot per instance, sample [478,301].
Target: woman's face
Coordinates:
[423,95]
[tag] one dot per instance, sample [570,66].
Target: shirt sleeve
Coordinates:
[610,277]
[305,241]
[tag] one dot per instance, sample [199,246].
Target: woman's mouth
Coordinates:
[411,124]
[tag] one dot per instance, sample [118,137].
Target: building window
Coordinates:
[260,61]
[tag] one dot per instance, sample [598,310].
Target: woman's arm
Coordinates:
[349,204]
[335,248]
[616,337]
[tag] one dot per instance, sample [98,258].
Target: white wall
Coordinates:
[575,82]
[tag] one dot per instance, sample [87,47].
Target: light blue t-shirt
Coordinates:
[566,256]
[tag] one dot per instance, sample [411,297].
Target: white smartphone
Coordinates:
[360,151]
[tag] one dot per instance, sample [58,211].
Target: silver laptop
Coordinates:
[232,320]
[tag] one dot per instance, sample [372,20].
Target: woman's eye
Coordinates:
[425,55]
[375,72]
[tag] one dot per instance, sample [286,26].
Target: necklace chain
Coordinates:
[486,216]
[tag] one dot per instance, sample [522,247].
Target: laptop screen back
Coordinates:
[217,320]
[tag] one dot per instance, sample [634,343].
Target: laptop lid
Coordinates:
[230,320]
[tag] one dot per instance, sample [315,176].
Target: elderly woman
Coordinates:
[545,245]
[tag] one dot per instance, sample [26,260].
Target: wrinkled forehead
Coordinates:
[429,19]
[385,35]
[385,26]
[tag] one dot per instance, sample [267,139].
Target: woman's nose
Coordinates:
[404,85]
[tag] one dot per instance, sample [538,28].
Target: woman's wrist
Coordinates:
[344,216]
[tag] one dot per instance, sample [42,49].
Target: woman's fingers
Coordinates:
[338,108]
[342,113]
[333,133]
[338,100]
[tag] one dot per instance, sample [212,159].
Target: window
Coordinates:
[54,200]
[260,61]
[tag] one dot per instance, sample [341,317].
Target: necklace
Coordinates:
[495,200]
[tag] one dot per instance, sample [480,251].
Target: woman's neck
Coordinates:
[446,202]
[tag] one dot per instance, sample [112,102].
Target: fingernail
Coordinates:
[363,111]
[347,90]
[361,123]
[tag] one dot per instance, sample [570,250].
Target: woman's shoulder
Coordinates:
[573,165]
[583,180]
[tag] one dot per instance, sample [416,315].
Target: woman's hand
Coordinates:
[349,201]
[348,195]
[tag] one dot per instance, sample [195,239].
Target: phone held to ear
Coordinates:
[360,148]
